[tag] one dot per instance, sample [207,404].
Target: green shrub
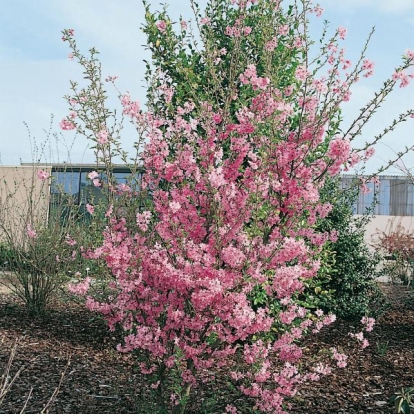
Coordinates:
[355,291]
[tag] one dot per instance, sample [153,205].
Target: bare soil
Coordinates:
[98,379]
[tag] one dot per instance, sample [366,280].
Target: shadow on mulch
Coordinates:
[101,380]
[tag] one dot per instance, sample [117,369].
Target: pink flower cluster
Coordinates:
[80,288]
[94,177]
[102,137]
[341,359]
[67,124]
[162,25]
[403,77]
[249,77]
[238,29]
[42,175]
[31,232]
[368,67]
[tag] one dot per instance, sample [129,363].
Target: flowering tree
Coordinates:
[236,144]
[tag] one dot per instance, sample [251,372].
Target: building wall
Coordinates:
[386,224]
[24,199]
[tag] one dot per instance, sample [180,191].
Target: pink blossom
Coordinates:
[318,11]
[342,31]
[288,90]
[130,108]
[123,188]
[339,148]
[396,75]
[216,177]
[109,211]
[174,206]
[359,336]
[167,91]
[69,241]
[183,24]
[340,358]
[93,175]
[271,45]
[90,209]
[405,79]
[31,232]
[298,43]
[42,175]
[322,369]
[301,73]
[409,54]
[102,137]
[368,66]
[375,180]
[67,124]
[143,219]
[284,30]
[70,56]
[402,76]
[368,323]
[217,118]
[332,47]
[231,409]
[329,319]
[205,21]
[162,25]
[346,64]
[68,33]
[369,152]
[365,343]
[80,288]
[232,256]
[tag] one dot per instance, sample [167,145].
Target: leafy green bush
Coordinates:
[355,291]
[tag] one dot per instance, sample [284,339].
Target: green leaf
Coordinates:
[405,407]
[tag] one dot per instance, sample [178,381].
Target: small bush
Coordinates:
[397,245]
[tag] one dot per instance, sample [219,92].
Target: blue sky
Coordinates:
[35,70]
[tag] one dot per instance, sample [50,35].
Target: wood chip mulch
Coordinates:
[98,379]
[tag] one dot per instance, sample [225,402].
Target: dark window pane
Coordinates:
[65,185]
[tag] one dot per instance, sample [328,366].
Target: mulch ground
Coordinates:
[98,379]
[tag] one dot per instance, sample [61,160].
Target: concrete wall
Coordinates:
[24,199]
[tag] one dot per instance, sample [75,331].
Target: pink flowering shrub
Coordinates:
[234,171]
